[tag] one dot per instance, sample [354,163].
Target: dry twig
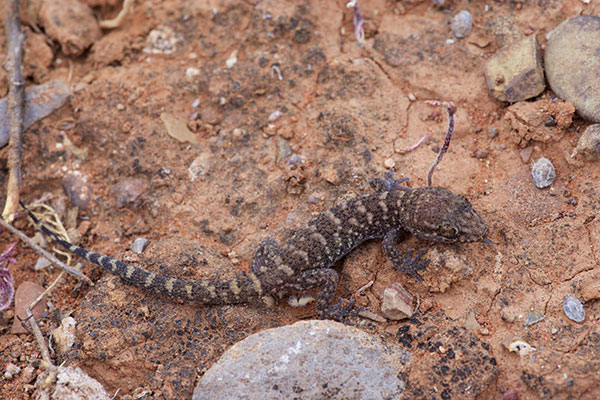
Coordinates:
[7,283]
[45,253]
[16,106]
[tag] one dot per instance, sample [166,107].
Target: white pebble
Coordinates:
[138,245]
[573,308]
[461,24]
[543,173]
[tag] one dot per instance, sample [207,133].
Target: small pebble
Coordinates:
[397,302]
[412,97]
[543,173]
[573,308]
[526,153]
[41,263]
[191,73]
[461,24]
[200,166]
[315,197]
[11,370]
[138,245]
[492,132]
[64,335]
[29,374]
[389,163]
[533,317]
[77,188]
[275,115]
[128,190]
[549,121]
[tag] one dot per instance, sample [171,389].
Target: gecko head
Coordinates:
[437,214]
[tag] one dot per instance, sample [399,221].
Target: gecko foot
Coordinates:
[388,184]
[338,312]
[411,265]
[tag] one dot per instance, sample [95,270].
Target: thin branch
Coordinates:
[450,108]
[39,338]
[414,146]
[7,282]
[16,106]
[45,253]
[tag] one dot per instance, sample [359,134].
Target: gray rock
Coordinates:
[572,62]
[307,360]
[573,308]
[515,73]
[461,24]
[543,173]
[138,245]
[589,143]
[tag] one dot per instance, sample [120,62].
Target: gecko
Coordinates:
[305,261]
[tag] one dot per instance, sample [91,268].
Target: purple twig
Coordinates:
[7,283]
[450,108]
[358,21]
[414,146]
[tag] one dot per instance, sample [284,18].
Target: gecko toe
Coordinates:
[412,265]
[339,312]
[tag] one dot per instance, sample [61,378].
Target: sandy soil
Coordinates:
[224,68]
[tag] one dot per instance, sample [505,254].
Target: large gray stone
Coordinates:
[307,360]
[572,63]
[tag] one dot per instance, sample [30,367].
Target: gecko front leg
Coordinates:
[405,264]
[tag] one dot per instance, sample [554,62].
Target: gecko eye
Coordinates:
[449,231]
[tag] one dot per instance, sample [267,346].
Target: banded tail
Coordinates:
[232,291]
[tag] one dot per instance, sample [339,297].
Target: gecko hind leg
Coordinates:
[405,264]
[264,260]
[327,279]
[267,266]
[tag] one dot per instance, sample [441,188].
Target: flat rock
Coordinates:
[40,101]
[25,294]
[308,360]
[515,72]
[572,62]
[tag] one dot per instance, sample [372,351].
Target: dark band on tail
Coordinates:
[238,290]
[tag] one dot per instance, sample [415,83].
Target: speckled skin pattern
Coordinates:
[305,261]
